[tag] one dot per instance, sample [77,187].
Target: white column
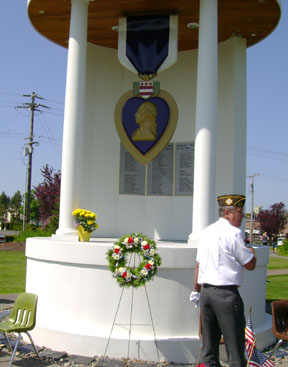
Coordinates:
[74,116]
[206,120]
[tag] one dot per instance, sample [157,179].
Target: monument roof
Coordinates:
[250,19]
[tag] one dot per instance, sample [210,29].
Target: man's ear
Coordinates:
[226,213]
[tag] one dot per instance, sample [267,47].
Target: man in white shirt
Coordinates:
[220,262]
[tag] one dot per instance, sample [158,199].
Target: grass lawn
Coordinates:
[277,287]
[277,284]
[278,263]
[12,272]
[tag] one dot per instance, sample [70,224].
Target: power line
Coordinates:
[269,157]
[55,114]
[46,128]
[274,179]
[46,139]
[12,135]
[50,100]
[271,178]
[8,102]
[266,151]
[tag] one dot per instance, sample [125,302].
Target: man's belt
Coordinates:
[220,286]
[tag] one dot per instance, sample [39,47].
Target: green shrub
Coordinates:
[9,238]
[31,233]
[16,226]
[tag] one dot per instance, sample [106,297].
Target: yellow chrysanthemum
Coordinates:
[76,211]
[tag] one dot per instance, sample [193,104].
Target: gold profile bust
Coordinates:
[146,119]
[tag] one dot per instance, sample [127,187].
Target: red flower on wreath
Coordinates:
[146,247]
[148,266]
[130,240]
[116,250]
[124,274]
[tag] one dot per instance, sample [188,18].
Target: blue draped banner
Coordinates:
[147,42]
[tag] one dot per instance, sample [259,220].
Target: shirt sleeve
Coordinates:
[241,252]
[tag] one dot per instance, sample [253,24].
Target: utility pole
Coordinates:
[252,206]
[32,106]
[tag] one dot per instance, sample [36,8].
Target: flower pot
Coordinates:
[84,236]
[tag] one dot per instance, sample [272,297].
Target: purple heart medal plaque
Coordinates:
[145,120]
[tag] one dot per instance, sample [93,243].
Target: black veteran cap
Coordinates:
[231,200]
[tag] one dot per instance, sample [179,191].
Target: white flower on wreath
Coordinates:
[151,262]
[128,276]
[120,270]
[144,272]
[144,243]
[152,252]
[126,240]
[125,274]
[117,256]
[136,240]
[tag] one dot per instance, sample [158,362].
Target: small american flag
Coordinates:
[257,358]
[249,335]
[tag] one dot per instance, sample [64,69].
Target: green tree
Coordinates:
[4,206]
[34,209]
[15,206]
[4,200]
[3,211]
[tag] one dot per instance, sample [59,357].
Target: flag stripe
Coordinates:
[257,359]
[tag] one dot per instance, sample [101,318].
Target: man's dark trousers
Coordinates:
[222,312]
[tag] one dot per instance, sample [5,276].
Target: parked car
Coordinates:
[2,238]
[280,240]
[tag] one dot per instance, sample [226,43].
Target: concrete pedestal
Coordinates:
[78,300]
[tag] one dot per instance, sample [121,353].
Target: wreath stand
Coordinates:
[130,324]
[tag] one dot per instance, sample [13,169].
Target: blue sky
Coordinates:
[267,116]
[30,63]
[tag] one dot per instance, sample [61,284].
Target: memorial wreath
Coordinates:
[133,260]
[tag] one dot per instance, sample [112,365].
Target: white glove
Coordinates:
[195,298]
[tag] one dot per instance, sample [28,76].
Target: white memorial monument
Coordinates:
[170,197]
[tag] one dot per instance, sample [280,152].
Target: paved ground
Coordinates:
[277,271]
[27,358]
[56,359]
